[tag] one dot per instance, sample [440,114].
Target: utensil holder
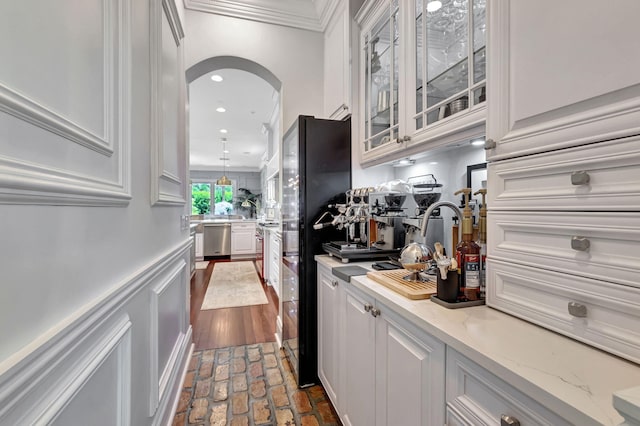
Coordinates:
[447,289]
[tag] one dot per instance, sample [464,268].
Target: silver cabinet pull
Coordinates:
[334,283]
[579,178]
[375,312]
[368,307]
[489,144]
[577,309]
[580,243]
[509,421]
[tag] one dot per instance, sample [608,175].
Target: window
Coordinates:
[223,199]
[201,198]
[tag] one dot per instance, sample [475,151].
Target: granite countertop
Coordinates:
[574,380]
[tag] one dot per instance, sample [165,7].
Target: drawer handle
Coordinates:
[489,144]
[508,421]
[580,243]
[577,309]
[368,307]
[334,283]
[579,178]
[375,312]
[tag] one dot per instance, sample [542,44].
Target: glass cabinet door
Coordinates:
[448,34]
[381,80]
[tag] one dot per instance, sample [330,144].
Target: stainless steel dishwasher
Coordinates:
[217,239]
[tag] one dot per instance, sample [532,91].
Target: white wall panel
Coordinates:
[167,89]
[96,393]
[168,326]
[88,369]
[65,102]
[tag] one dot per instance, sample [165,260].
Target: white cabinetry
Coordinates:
[563,187]
[477,397]
[199,245]
[391,362]
[422,76]
[337,80]
[331,301]
[243,238]
[274,260]
[574,83]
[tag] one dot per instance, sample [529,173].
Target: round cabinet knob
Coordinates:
[334,283]
[375,312]
[368,307]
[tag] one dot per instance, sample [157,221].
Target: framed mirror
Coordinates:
[476,179]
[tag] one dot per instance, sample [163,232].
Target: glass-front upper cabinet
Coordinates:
[380,50]
[450,68]
[422,76]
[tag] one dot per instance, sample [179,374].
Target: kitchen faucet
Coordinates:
[432,207]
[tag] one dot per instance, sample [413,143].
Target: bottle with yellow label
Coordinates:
[468,254]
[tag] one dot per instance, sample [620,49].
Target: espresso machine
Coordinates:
[425,191]
[387,211]
[372,222]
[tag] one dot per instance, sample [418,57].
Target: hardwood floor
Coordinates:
[220,328]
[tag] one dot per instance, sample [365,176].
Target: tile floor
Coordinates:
[249,385]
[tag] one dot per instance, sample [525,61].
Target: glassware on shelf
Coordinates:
[452,64]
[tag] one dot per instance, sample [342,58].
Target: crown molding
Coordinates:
[288,13]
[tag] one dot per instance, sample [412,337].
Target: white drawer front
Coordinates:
[602,314]
[544,181]
[477,397]
[604,246]
[239,226]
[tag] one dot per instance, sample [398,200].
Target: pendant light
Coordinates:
[224,180]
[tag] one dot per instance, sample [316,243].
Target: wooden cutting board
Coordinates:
[393,279]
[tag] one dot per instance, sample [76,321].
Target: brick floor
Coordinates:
[249,385]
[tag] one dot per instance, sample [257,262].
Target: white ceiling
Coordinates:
[249,102]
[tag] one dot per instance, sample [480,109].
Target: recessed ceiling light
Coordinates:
[223,130]
[477,142]
[432,6]
[220,109]
[433,163]
[226,151]
[217,78]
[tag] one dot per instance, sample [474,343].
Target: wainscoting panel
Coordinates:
[168,324]
[93,367]
[168,130]
[65,105]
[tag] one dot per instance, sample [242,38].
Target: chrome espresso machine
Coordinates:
[372,221]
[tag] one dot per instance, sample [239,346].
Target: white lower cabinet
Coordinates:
[243,238]
[389,361]
[330,332]
[360,369]
[477,397]
[199,246]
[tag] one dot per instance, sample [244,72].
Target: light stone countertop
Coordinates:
[572,379]
[221,220]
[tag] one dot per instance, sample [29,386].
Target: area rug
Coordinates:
[202,265]
[233,284]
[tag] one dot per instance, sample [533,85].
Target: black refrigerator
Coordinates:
[316,172]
